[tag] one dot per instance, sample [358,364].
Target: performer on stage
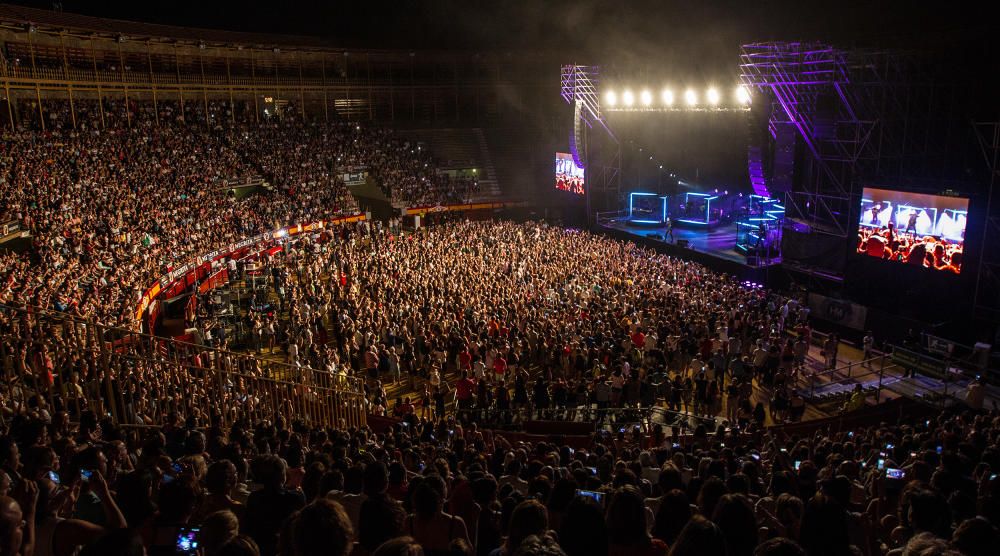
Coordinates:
[669,232]
[875,210]
[911,225]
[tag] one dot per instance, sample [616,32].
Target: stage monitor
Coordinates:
[913,228]
[569,176]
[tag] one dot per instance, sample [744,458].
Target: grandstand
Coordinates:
[264,295]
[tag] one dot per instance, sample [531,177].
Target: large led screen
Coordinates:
[913,228]
[569,176]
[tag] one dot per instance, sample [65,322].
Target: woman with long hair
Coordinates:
[627,532]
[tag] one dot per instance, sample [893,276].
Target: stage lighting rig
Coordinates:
[692,99]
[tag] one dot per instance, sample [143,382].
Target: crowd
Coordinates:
[924,251]
[530,319]
[275,487]
[111,207]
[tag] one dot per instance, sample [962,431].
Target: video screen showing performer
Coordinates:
[913,228]
[569,176]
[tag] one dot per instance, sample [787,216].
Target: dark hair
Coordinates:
[177,501]
[529,518]
[672,515]
[976,537]
[220,477]
[779,546]
[583,531]
[429,496]
[824,528]
[736,519]
[240,545]
[708,496]
[381,519]
[700,537]
[399,546]
[627,518]
[321,529]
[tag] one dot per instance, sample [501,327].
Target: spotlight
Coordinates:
[610,98]
[713,96]
[628,98]
[691,97]
[646,97]
[742,95]
[668,97]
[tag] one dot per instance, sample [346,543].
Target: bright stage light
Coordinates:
[691,97]
[742,95]
[713,96]
[668,97]
[628,98]
[610,98]
[646,97]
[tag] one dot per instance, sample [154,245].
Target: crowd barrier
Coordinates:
[204,266]
[67,364]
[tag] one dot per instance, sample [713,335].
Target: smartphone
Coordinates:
[889,446]
[54,477]
[797,464]
[784,450]
[86,474]
[913,454]
[593,494]
[864,464]
[572,451]
[187,541]
[881,464]
[178,468]
[676,446]
[621,429]
[939,449]
[993,476]
[593,471]
[850,434]
[756,457]
[891,473]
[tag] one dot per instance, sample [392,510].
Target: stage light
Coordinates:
[610,98]
[713,96]
[742,95]
[668,97]
[691,97]
[646,97]
[628,98]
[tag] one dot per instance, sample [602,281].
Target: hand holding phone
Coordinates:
[598,497]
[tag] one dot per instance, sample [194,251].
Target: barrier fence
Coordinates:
[56,362]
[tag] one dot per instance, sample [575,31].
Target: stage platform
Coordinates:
[718,242]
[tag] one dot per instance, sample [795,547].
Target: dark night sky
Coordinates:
[572,25]
[638,38]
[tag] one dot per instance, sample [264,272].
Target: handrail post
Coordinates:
[881,373]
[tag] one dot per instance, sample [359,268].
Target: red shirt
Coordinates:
[464,388]
[500,365]
[465,360]
[639,340]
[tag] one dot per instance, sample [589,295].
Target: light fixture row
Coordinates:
[645,98]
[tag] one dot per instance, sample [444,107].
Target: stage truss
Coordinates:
[860,117]
[579,88]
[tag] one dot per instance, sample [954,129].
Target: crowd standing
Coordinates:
[274,487]
[111,207]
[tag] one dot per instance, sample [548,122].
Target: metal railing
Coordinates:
[56,362]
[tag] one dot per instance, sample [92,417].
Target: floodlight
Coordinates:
[713,96]
[646,97]
[610,98]
[628,98]
[743,95]
[668,97]
[691,97]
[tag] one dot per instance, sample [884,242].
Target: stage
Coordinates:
[718,242]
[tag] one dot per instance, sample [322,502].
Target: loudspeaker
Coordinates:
[682,243]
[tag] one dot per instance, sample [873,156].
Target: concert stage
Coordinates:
[714,247]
